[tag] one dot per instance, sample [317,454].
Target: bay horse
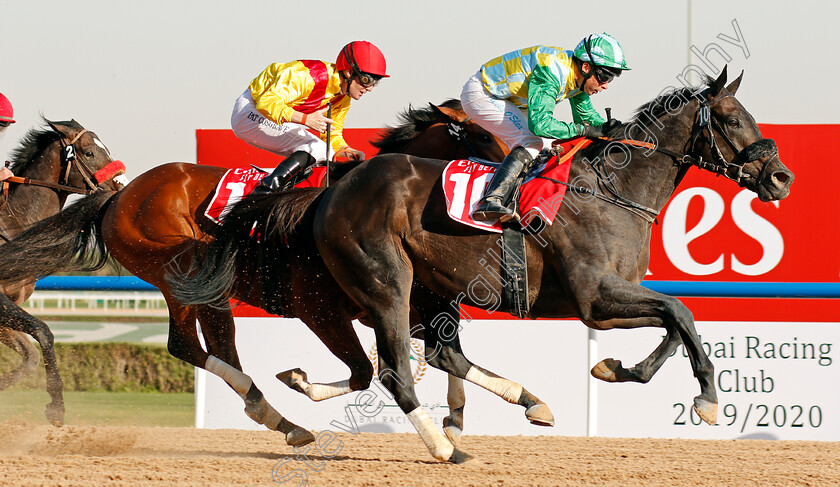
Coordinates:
[157,223]
[386,238]
[50,163]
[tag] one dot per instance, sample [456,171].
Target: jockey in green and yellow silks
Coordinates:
[513,96]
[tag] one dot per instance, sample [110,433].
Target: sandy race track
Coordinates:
[85,455]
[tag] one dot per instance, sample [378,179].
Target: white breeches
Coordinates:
[502,118]
[282,139]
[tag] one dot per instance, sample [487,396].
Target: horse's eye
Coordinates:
[734,122]
[89,154]
[486,138]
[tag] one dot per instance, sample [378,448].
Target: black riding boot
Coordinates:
[284,172]
[492,205]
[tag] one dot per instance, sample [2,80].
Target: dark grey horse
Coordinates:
[383,233]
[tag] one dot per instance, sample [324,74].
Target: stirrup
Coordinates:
[492,210]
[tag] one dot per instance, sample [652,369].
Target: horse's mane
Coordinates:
[412,123]
[669,101]
[35,141]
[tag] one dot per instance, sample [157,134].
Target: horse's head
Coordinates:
[473,139]
[85,161]
[727,135]
[440,132]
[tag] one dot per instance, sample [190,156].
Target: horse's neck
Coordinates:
[650,178]
[26,204]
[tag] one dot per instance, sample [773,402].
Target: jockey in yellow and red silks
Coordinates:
[513,96]
[287,101]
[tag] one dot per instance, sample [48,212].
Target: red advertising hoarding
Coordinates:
[711,230]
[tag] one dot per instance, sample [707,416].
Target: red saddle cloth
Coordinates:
[238,182]
[464,183]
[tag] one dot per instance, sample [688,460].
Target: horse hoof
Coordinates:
[459,457]
[453,434]
[55,414]
[540,415]
[299,437]
[706,410]
[294,378]
[605,370]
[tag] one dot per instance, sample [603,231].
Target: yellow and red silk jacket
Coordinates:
[304,86]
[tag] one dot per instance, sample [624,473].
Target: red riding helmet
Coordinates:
[362,57]
[6,112]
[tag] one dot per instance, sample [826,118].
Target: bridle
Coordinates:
[704,122]
[734,169]
[459,133]
[69,159]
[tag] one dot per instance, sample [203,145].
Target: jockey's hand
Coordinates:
[5,173]
[317,121]
[351,154]
[592,132]
[610,124]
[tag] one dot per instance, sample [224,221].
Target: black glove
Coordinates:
[592,132]
[610,124]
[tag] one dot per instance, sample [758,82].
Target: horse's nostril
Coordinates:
[781,176]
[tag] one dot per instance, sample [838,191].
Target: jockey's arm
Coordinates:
[584,112]
[278,87]
[542,98]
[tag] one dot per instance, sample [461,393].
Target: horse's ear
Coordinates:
[733,86]
[718,84]
[455,115]
[59,129]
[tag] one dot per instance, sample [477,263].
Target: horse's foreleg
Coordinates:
[611,370]
[337,333]
[20,344]
[184,344]
[614,299]
[19,321]
[55,386]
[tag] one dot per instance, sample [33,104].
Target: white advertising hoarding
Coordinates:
[774,381]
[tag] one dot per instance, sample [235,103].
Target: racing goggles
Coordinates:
[366,79]
[603,75]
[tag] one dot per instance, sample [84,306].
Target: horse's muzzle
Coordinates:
[774,180]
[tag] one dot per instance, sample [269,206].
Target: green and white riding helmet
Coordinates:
[603,51]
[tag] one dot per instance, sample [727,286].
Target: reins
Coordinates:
[720,166]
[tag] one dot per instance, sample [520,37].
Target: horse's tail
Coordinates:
[68,241]
[251,225]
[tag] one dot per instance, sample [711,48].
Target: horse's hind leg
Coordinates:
[377,277]
[443,351]
[217,326]
[336,331]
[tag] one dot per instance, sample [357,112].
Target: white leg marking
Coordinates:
[236,378]
[506,389]
[319,392]
[437,444]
